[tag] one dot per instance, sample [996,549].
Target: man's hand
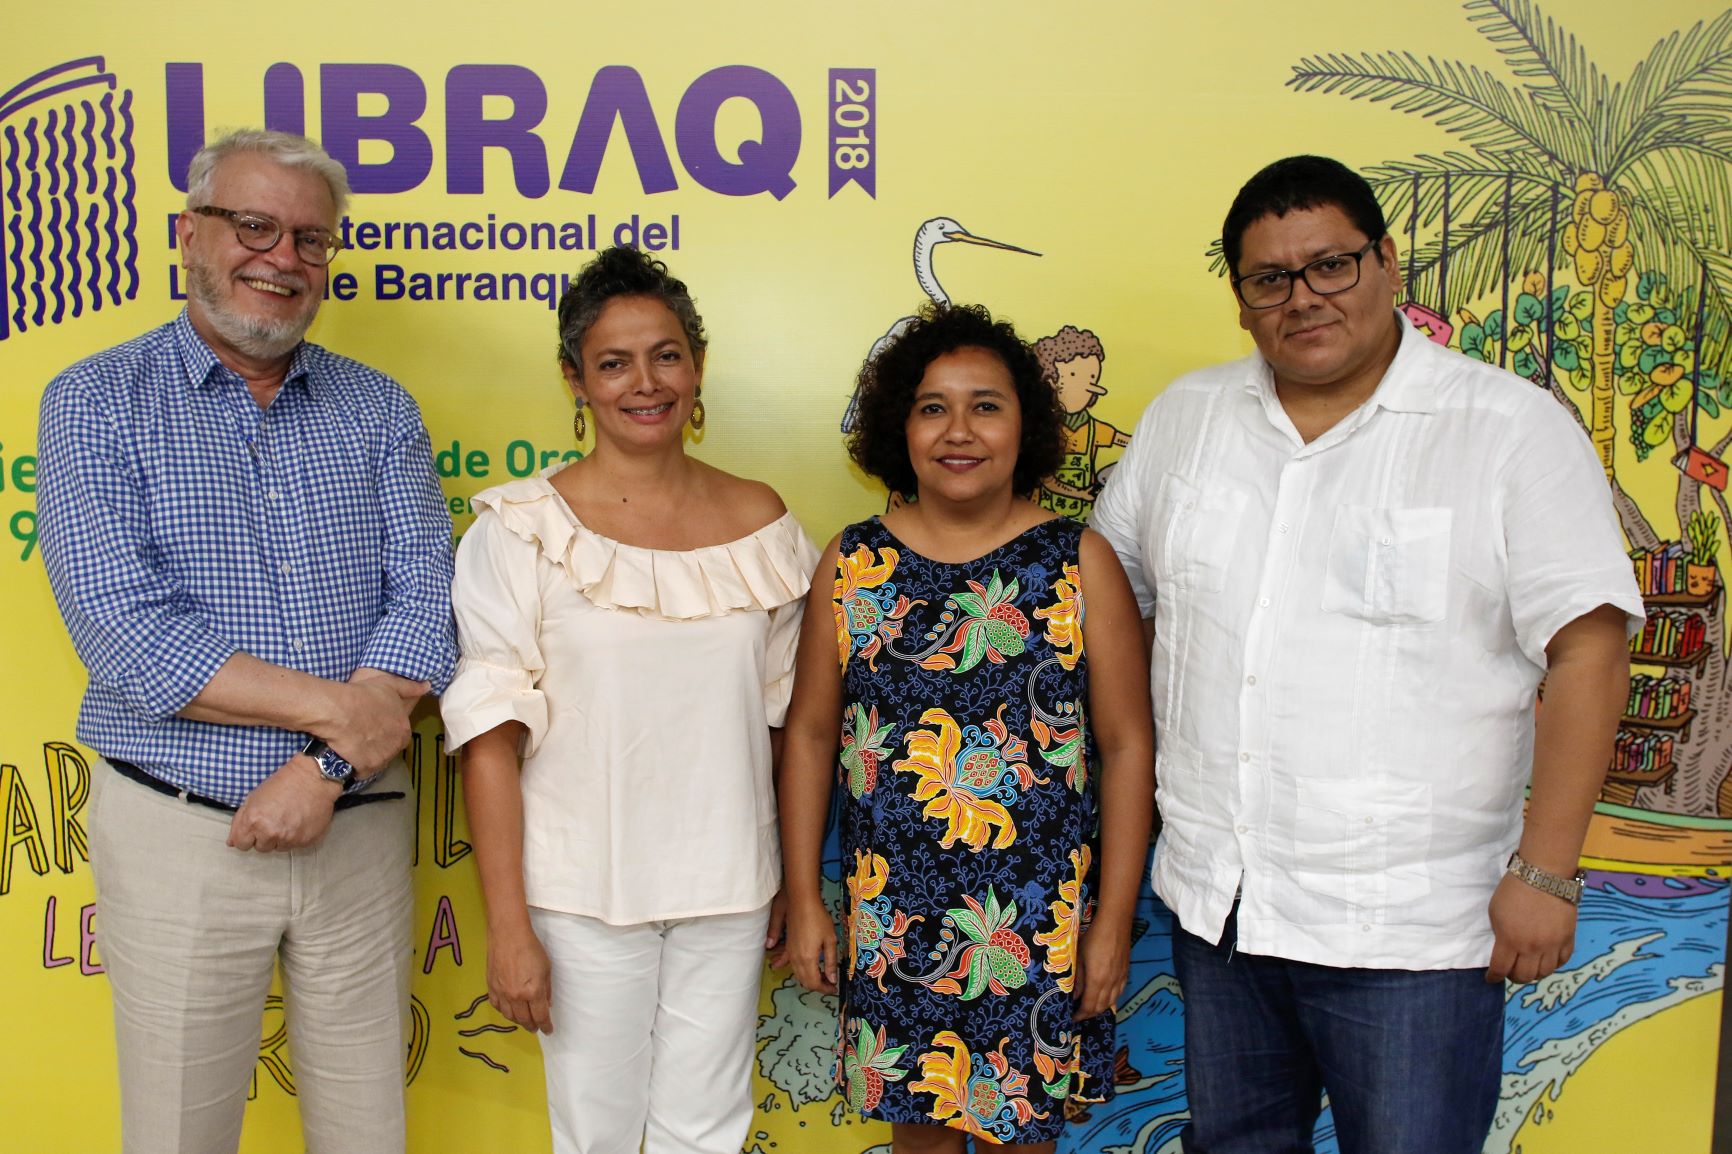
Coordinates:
[520,979]
[373,725]
[289,809]
[410,691]
[1103,965]
[1535,932]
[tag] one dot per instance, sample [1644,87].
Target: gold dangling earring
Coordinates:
[698,411]
[579,425]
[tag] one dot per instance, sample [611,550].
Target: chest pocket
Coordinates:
[1389,566]
[1191,536]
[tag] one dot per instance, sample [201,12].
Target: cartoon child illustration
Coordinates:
[1071,359]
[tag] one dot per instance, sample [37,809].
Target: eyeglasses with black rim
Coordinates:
[1325,276]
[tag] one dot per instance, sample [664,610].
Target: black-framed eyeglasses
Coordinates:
[1266,288]
[261,234]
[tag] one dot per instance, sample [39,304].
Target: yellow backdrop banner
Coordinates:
[810,170]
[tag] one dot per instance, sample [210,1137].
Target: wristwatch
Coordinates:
[331,765]
[1568,888]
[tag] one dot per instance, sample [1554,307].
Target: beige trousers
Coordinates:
[190,930]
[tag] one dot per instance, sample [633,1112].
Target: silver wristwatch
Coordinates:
[331,765]
[1568,888]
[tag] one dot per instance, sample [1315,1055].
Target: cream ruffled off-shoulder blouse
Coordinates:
[647,680]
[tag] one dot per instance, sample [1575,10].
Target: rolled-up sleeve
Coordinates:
[414,637]
[498,609]
[779,651]
[1565,550]
[133,625]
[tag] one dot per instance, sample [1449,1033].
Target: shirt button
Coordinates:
[1251,680]
[1365,928]
[1386,540]
[1189,505]
[297,645]
[1244,757]
[1283,527]
[287,568]
[271,494]
[1370,821]
[1243,828]
[1263,602]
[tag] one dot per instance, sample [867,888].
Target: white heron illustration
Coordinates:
[939,230]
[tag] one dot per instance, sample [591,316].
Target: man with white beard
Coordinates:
[250,549]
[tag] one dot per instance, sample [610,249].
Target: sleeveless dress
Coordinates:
[968,834]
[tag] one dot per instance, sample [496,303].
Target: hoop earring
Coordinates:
[579,425]
[697,417]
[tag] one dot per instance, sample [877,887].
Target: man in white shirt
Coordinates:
[1361,553]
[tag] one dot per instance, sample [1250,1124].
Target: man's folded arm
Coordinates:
[130,621]
[415,638]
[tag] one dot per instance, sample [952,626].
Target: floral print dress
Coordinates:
[968,835]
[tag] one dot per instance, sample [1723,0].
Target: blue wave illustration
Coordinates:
[69,233]
[8,317]
[56,211]
[92,237]
[32,193]
[130,229]
[70,162]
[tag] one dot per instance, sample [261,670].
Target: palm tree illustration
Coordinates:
[1565,166]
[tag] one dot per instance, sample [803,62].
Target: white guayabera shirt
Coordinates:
[1349,636]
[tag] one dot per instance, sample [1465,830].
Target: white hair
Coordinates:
[285,148]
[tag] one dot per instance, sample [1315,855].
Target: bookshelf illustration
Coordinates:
[1683,607]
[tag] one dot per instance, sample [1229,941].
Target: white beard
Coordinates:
[257,337]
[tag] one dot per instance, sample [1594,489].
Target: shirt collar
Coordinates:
[1406,387]
[204,370]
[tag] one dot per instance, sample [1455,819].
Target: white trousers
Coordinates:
[653,1032]
[190,931]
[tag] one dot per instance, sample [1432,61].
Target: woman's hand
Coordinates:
[811,944]
[1101,971]
[775,936]
[520,979]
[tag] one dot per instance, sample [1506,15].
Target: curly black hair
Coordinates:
[623,272]
[887,381]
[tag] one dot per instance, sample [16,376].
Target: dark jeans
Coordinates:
[1411,1058]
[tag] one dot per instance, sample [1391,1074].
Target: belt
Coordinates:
[128,770]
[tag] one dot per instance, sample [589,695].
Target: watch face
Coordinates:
[332,765]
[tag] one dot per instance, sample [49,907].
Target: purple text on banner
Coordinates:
[854,129]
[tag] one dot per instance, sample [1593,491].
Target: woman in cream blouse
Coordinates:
[628,624]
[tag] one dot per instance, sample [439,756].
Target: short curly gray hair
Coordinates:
[285,148]
[623,272]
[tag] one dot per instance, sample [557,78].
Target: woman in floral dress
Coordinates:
[993,744]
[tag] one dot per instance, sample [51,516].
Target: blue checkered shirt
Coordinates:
[180,524]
